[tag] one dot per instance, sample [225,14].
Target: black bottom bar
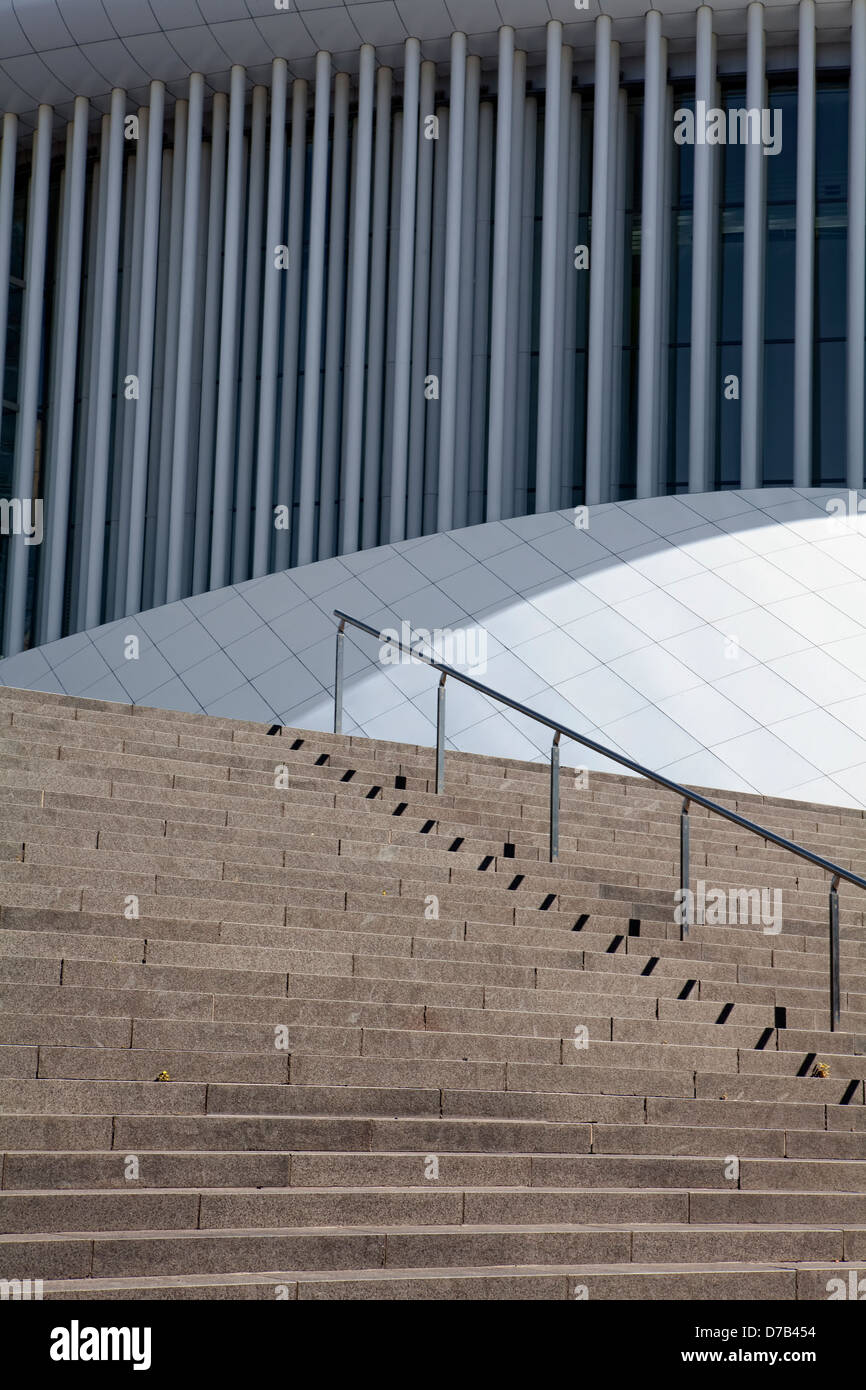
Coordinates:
[244,1338]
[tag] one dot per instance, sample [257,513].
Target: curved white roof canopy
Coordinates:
[54,50]
[719,638]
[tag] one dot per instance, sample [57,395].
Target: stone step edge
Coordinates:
[485,1228]
[445,1272]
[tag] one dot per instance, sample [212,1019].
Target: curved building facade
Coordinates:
[284,282]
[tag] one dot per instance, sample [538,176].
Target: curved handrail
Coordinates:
[562,730]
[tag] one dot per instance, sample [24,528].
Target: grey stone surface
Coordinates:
[323,1038]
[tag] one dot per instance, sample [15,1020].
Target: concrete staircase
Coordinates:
[365,999]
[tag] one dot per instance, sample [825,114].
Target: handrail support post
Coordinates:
[440,735]
[685,903]
[554,797]
[687,910]
[835,994]
[338,679]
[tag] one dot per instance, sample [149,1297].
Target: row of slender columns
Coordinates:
[413,266]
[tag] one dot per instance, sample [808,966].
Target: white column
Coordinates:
[199,356]
[515,250]
[292,322]
[8,156]
[167,342]
[664,318]
[108,268]
[451,308]
[480,315]
[805,254]
[650,262]
[127,365]
[377,309]
[856,243]
[315,287]
[143,365]
[405,269]
[29,372]
[549,369]
[122,420]
[89,376]
[600,253]
[524,324]
[333,394]
[53,369]
[562,264]
[58,512]
[437,300]
[378,515]
[500,282]
[754,217]
[250,338]
[613,437]
[51,390]
[570,291]
[350,501]
[467,300]
[186,324]
[701,399]
[271,301]
[210,344]
[227,394]
[95,221]
[421,304]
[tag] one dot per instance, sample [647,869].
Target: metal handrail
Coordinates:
[562,730]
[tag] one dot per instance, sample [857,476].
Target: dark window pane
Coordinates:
[728,416]
[778,413]
[780,269]
[831,275]
[829,398]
